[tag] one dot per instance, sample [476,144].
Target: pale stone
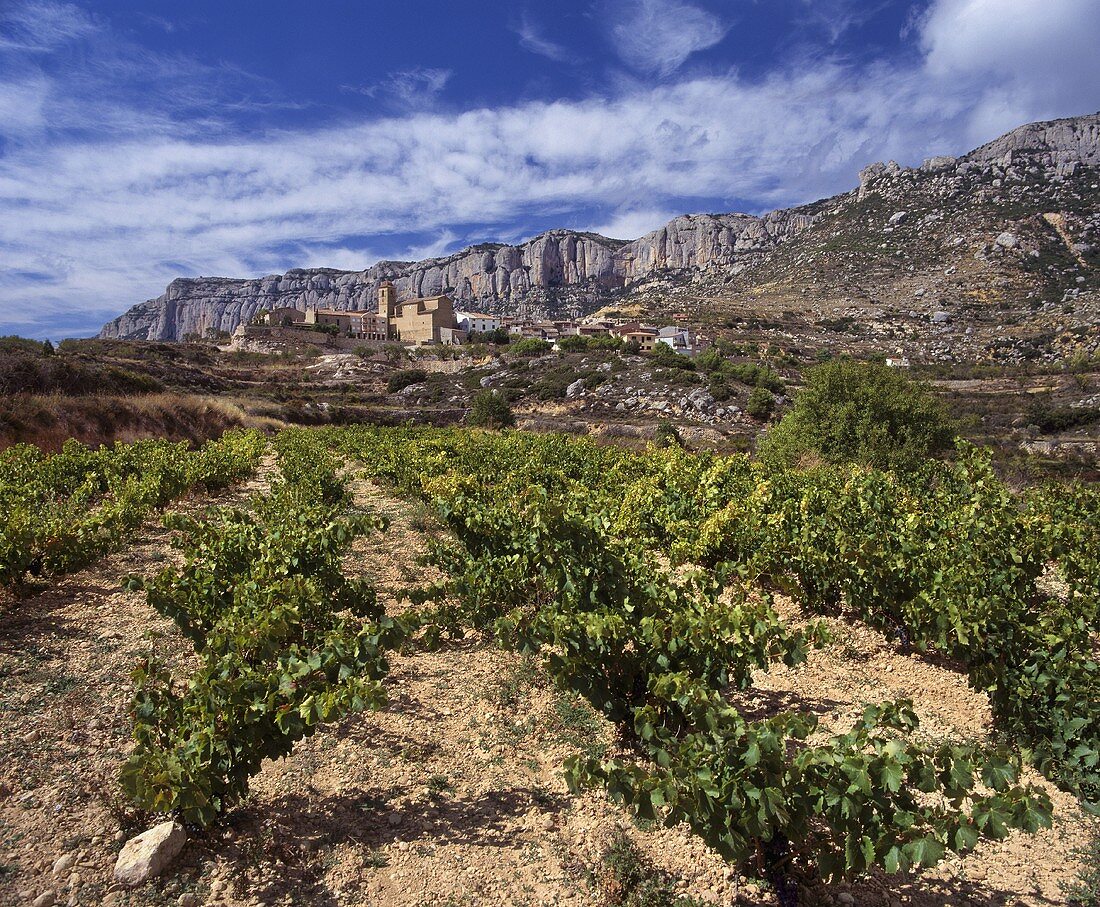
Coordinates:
[149,854]
[64,863]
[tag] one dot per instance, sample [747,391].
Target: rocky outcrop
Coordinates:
[564,272]
[558,272]
[1054,143]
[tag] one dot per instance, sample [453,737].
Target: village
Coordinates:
[434,321]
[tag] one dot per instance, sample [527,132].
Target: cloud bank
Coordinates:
[101,210]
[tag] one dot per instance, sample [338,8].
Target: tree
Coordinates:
[860,412]
[490,410]
[761,402]
[529,346]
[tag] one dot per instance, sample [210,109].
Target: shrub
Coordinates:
[490,410]
[761,403]
[667,435]
[530,346]
[667,356]
[860,412]
[573,344]
[576,343]
[1051,419]
[399,380]
[497,337]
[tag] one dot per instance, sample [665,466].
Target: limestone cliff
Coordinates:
[558,272]
[565,272]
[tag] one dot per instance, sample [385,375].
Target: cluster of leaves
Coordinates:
[529,346]
[60,512]
[405,377]
[284,641]
[588,343]
[559,551]
[752,374]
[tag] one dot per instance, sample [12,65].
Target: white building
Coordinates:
[478,322]
[682,340]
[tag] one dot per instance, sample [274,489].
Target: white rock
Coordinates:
[64,863]
[575,389]
[1007,241]
[897,218]
[149,854]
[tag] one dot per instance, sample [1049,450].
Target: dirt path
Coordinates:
[452,795]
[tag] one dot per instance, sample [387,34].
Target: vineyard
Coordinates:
[653,591]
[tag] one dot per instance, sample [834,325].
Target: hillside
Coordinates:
[1005,233]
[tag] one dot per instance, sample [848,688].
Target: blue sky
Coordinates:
[141,141]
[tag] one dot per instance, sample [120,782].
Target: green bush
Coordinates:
[530,346]
[580,344]
[497,337]
[667,356]
[490,410]
[668,435]
[761,403]
[399,380]
[860,412]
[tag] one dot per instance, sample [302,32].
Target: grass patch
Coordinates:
[625,878]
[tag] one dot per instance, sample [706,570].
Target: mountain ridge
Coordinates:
[565,272]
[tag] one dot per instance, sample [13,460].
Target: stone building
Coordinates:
[363,325]
[419,321]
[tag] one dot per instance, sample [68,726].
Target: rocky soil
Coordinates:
[451,795]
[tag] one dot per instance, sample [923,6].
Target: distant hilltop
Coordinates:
[567,273]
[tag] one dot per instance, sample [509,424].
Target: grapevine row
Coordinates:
[284,641]
[61,512]
[564,558]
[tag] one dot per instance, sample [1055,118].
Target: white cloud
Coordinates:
[1015,56]
[102,202]
[415,87]
[42,26]
[835,17]
[532,39]
[631,223]
[657,36]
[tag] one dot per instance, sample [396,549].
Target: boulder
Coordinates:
[575,389]
[149,854]
[898,217]
[1007,241]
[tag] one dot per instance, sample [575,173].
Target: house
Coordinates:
[597,329]
[351,323]
[478,322]
[683,340]
[644,335]
[284,316]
